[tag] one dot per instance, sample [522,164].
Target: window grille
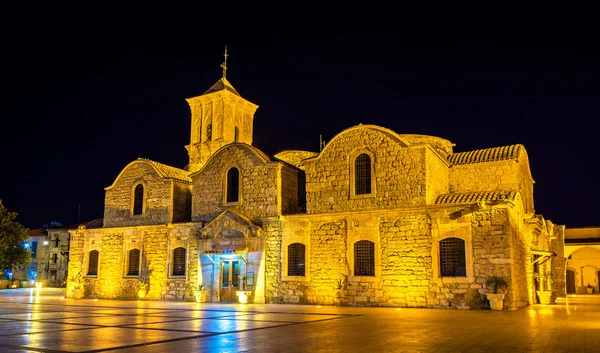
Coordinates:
[296,259]
[362,175]
[452,257]
[138,199]
[54,258]
[364,258]
[179,262]
[233,185]
[56,240]
[93,265]
[134,262]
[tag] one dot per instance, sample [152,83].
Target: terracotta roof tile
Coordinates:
[470,197]
[486,155]
[169,172]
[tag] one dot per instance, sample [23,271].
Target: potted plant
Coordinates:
[76,285]
[201,293]
[496,299]
[142,289]
[590,289]
[339,288]
[14,284]
[243,295]
[545,279]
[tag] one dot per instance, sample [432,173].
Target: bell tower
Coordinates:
[219,116]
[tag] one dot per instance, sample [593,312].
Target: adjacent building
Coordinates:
[582,250]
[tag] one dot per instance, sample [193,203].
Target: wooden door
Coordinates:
[229,280]
[571,282]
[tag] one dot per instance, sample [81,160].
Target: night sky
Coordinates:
[82,103]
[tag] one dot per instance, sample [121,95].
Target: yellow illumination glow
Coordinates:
[318,306]
[95,300]
[242,296]
[398,309]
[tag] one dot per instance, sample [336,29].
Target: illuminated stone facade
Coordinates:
[390,219]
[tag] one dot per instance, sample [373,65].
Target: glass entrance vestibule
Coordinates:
[225,274]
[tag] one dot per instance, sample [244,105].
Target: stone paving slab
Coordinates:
[49,323]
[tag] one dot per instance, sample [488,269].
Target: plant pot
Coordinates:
[544,296]
[142,293]
[14,286]
[243,296]
[201,295]
[496,301]
[590,290]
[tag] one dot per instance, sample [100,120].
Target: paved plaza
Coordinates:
[43,321]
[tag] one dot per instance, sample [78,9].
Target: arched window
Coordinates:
[134,263]
[179,262]
[362,175]
[233,185]
[296,260]
[452,257]
[138,199]
[93,264]
[364,258]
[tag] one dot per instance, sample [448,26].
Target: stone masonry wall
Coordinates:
[559,263]
[405,273]
[491,247]
[436,176]
[76,255]
[273,266]
[487,176]
[399,173]
[155,244]
[258,185]
[289,188]
[525,182]
[119,198]
[520,291]
[406,268]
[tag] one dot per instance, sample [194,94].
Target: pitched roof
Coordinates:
[470,197]
[166,171]
[494,154]
[221,85]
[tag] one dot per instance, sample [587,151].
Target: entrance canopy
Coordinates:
[229,233]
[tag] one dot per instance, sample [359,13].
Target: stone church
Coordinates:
[376,218]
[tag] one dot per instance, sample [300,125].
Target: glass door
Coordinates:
[229,280]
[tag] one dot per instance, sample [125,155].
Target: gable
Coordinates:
[229,232]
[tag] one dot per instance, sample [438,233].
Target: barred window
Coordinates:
[179,262]
[296,259]
[452,257]
[93,264]
[233,185]
[362,175]
[138,199]
[134,262]
[364,258]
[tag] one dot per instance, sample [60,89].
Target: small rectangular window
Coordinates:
[93,264]
[179,262]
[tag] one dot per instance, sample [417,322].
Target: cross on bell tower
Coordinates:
[224,64]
